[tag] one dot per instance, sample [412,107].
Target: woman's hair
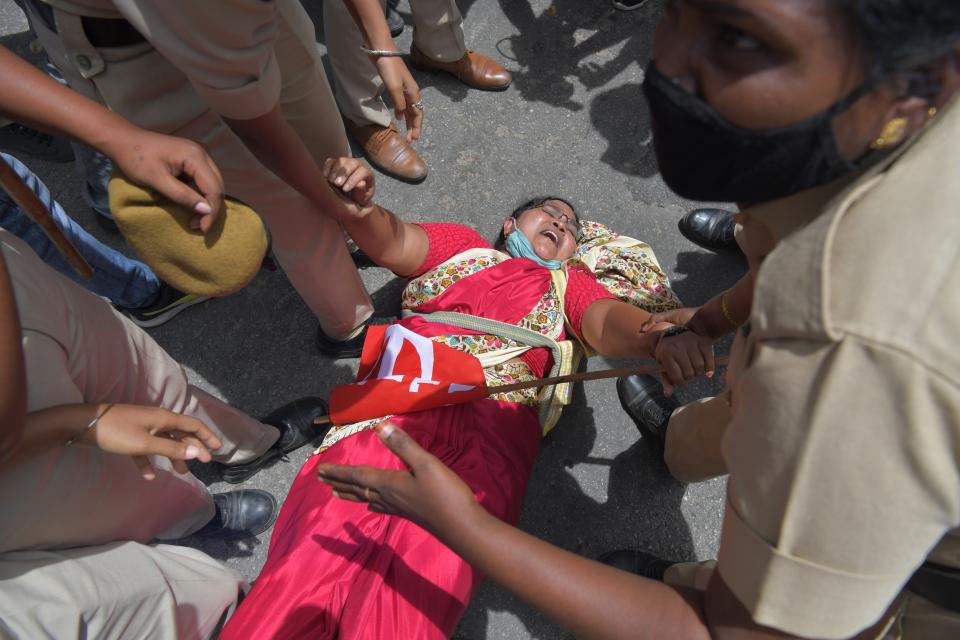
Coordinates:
[900,36]
[526,206]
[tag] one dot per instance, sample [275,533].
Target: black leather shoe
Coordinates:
[240,514]
[643,400]
[636,561]
[295,422]
[710,228]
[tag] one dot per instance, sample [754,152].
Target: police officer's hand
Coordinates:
[428,493]
[404,92]
[179,169]
[678,317]
[141,431]
[684,356]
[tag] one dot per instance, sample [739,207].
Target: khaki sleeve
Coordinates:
[843,475]
[224,47]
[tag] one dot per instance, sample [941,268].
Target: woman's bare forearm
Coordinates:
[591,599]
[613,329]
[389,241]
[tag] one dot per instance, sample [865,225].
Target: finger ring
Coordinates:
[366,493]
[418,105]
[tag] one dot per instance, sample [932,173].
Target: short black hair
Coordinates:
[901,36]
[526,206]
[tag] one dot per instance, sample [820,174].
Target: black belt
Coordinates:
[101,32]
[937,583]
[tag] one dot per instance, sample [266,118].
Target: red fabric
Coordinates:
[403,372]
[446,240]
[582,291]
[337,570]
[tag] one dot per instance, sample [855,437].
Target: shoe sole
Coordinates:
[165,316]
[236,474]
[623,7]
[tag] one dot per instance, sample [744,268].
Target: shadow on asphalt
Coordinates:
[702,274]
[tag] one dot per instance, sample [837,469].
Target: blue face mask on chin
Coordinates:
[519,247]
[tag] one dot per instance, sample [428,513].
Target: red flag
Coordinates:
[401,372]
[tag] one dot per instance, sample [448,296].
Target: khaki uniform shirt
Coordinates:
[844,445]
[225,47]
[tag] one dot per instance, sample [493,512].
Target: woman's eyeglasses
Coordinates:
[572,225]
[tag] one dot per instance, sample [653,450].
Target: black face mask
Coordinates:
[704,157]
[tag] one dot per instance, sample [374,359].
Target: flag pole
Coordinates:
[646,369]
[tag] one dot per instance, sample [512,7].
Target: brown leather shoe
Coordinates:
[473,69]
[389,151]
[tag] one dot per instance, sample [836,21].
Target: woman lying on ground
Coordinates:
[337,570]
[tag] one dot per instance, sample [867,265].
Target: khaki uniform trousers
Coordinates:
[437,33]
[692,447]
[84,500]
[138,83]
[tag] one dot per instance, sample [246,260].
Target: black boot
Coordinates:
[643,400]
[240,514]
[710,228]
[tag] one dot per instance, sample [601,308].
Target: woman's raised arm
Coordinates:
[388,240]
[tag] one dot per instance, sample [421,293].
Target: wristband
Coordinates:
[381,53]
[90,425]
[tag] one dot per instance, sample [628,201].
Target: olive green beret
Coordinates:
[217,263]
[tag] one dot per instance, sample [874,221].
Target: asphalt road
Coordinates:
[572,124]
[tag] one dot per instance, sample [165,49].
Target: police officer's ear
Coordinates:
[923,92]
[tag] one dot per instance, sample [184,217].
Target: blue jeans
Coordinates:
[126,283]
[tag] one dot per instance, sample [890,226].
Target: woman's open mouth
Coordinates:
[550,233]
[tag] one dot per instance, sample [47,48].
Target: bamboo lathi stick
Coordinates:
[646,369]
[30,203]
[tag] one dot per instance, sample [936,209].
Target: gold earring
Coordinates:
[892,134]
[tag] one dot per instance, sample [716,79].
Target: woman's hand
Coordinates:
[179,169]
[429,494]
[404,92]
[140,431]
[351,176]
[684,356]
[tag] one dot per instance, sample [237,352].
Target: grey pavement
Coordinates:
[573,124]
